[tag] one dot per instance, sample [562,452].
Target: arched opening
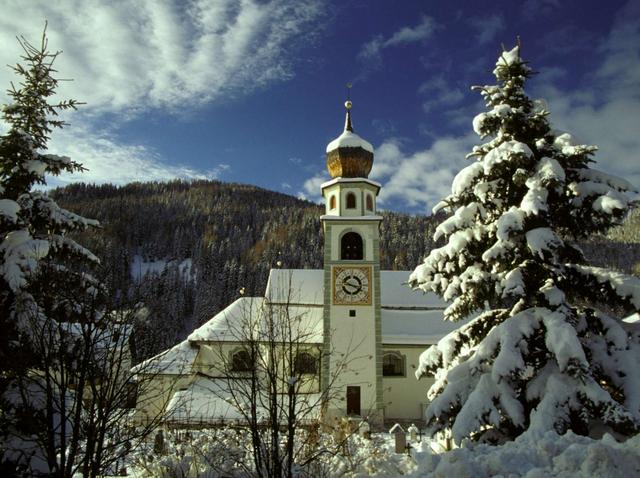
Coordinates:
[241,361]
[392,365]
[332,202]
[351,246]
[369,202]
[351,201]
[305,363]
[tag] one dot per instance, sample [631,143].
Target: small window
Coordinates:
[305,363]
[241,362]
[351,201]
[332,202]
[352,313]
[392,365]
[369,202]
[351,246]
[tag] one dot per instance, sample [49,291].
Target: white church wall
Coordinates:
[155,394]
[404,397]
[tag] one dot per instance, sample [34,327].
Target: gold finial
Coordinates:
[348,105]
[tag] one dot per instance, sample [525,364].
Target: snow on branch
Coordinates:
[623,285]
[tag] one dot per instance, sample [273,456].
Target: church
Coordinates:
[358,330]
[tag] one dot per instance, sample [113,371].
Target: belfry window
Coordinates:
[332,202]
[369,202]
[392,365]
[351,201]
[351,246]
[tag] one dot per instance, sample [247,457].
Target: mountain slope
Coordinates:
[201,242]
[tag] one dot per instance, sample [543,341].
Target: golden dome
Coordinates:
[349,156]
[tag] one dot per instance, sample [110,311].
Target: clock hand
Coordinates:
[350,286]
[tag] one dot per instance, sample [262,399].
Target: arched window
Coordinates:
[351,201]
[392,365]
[332,202]
[351,246]
[369,202]
[241,361]
[305,363]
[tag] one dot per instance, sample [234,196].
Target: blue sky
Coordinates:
[252,91]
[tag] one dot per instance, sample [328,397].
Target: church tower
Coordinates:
[352,375]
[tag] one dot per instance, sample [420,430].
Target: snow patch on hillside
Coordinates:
[141,267]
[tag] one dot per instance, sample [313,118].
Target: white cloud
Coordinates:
[607,113]
[135,56]
[487,27]
[439,93]
[139,54]
[108,161]
[372,50]
[311,187]
[419,180]
[534,8]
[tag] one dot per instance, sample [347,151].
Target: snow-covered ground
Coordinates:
[530,456]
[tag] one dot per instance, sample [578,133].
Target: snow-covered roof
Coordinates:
[205,400]
[333,181]
[295,286]
[209,401]
[225,324]
[306,286]
[396,292]
[349,139]
[415,327]
[231,324]
[175,361]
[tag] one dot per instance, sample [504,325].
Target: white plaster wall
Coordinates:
[340,190]
[405,397]
[368,232]
[353,344]
[154,394]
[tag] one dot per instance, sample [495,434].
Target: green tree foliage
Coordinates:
[540,352]
[39,265]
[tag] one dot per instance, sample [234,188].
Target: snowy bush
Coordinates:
[540,353]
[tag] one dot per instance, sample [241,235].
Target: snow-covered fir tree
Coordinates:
[33,228]
[43,273]
[540,352]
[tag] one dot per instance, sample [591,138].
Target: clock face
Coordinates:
[351,285]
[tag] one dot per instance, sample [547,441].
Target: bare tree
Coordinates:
[76,400]
[265,372]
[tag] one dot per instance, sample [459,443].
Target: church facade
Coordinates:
[363,328]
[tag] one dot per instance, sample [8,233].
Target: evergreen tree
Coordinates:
[540,354]
[33,228]
[42,273]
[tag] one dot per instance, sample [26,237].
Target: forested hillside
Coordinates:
[186,249]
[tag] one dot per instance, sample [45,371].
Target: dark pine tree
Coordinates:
[42,269]
[538,353]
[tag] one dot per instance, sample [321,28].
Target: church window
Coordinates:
[351,246]
[351,201]
[305,363]
[332,202]
[369,202]
[392,365]
[241,361]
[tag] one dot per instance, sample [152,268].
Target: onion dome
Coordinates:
[349,156]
